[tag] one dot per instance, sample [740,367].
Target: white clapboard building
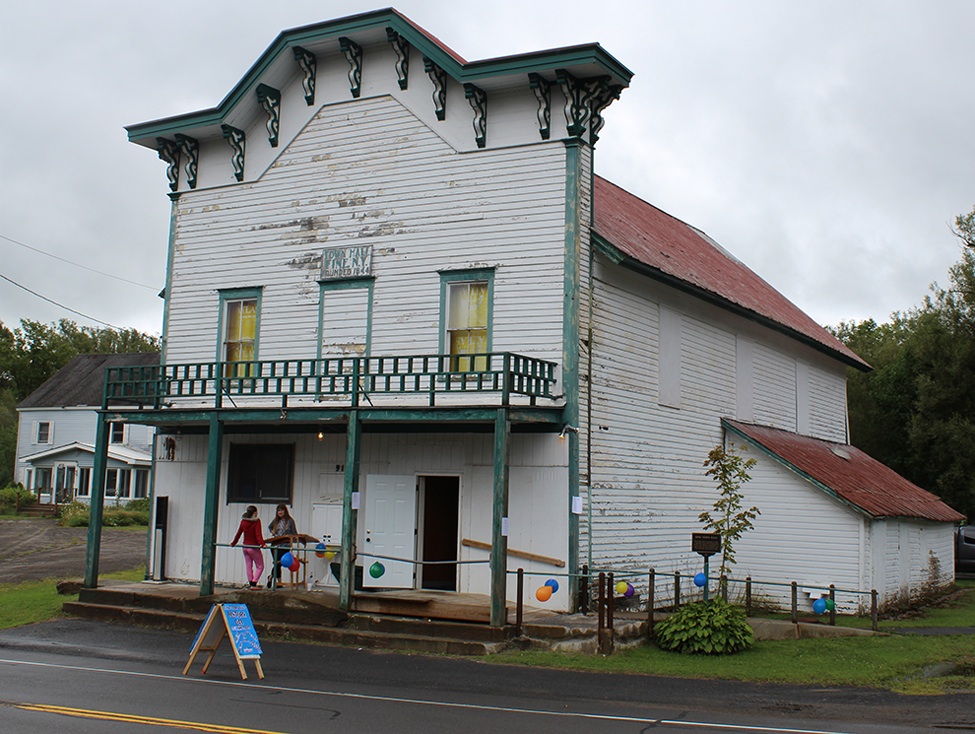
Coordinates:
[400,301]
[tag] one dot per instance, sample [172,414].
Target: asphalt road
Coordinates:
[41,549]
[126,672]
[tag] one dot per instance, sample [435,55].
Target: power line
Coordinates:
[60,305]
[77,265]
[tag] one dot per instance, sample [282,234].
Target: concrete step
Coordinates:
[352,636]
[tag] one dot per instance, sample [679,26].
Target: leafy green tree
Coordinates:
[727,516]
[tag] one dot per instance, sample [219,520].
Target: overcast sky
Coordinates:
[827,144]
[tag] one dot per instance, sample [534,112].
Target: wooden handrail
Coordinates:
[517,553]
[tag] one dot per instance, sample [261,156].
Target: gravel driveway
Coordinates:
[41,549]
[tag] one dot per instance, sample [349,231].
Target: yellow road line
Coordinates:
[134,719]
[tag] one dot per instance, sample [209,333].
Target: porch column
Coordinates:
[96,503]
[350,516]
[499,538]
[210,504]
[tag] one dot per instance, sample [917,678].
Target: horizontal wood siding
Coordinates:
[537,510]
[369,172]
[648,481]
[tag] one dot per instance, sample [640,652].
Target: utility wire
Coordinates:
[77,265]
[60,305]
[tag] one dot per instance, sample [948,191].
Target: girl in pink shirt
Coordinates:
[250,528]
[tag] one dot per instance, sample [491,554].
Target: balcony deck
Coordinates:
[438,386]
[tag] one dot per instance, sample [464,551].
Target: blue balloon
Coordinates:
[700,580]
[819,606]
[554,584]
[287,560]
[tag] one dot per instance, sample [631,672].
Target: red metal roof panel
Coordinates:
[656,239]
[852,475]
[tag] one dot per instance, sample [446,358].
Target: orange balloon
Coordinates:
[544,593]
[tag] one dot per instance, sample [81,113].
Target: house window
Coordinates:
[117,433]
[141,483]
[240,310]
[43,432]
[84,481]
[260,472]
[42,479]
[467,301]
[111,482]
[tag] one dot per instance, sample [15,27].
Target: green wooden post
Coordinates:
[350,517]
[570,342]
[499,540]
[97,503]
[210,503]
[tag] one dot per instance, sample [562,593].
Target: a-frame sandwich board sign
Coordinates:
[234,622]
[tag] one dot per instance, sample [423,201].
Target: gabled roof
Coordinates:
[322,38]
[81,381]
[641,236]
[848,474]
[124,454]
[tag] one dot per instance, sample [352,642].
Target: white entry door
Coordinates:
[390,530]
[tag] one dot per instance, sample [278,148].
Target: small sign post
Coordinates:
[234,622]
[706,544]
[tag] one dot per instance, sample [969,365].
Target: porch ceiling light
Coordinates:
[567,429]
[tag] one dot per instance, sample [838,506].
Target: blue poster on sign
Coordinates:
[243,636]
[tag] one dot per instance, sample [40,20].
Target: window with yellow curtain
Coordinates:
[467,324]
[240,335]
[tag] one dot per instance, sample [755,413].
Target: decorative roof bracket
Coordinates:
[309,65]
[236,138]
[439,78]
[270,99]
[585,99]
[402,49]
[543,93]
[169,152]
[353,52]
[190,148]
[478,100]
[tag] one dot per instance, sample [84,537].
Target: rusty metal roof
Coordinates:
[848,474]
[664,247]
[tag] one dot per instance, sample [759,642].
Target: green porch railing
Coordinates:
[355,378]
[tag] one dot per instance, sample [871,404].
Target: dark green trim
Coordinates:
[96,502]
[796,470]
[233,294]
[499,540]
[350,517]
[570,334]
[170,257]
[465,276]
[589,55]
[211,503]
[261,418]
[618,257]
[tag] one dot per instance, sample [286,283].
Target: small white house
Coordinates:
[56,435]
[400,301]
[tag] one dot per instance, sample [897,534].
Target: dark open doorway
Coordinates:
[440,513]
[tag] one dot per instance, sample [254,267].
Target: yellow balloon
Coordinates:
[620,587]
[329,555]
[544,593]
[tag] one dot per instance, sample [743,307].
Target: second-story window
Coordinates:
[43,432]
[117,433]
[467,321]
[239,331]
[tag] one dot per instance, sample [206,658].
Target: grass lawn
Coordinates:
[38,601]
[895,661]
